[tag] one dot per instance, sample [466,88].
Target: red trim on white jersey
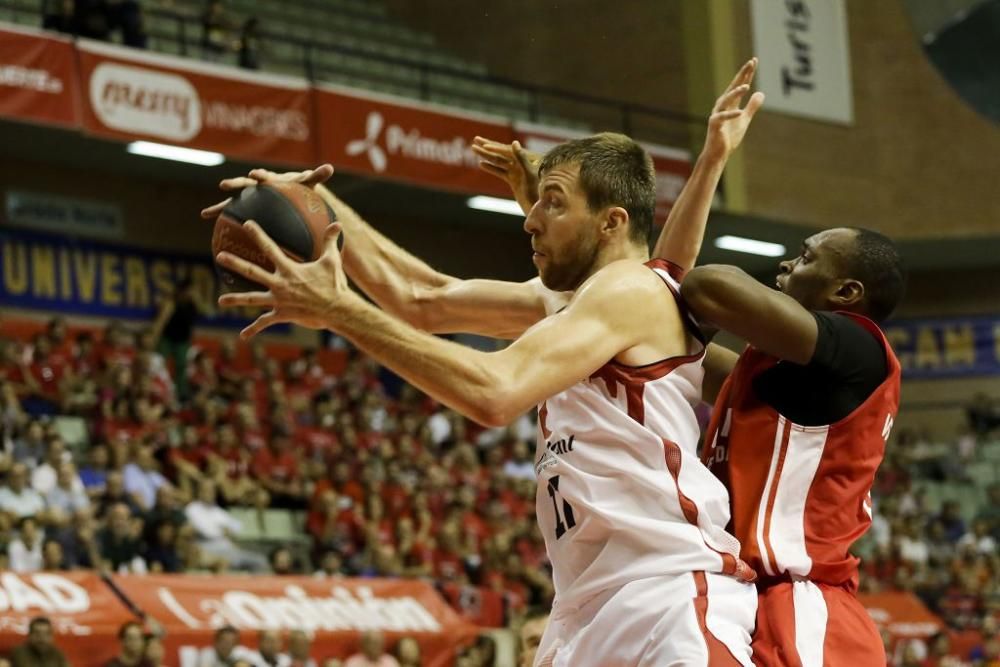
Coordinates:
[719,654]
[730,564]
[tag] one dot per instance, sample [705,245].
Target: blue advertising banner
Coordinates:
[61,274]
[947,347]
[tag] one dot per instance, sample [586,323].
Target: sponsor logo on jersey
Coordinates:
[553,449]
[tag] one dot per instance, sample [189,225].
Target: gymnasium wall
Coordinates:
[556,42]
[917,163]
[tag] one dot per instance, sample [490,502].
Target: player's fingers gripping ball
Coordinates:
[293,215]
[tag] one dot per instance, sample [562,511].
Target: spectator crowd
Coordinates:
[384,482]
[221,34]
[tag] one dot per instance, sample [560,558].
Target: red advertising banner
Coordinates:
[903,614]
[673,166]
[37,78]
[126,94]
[406,141]
[84,612]
[333,611]
[129,94]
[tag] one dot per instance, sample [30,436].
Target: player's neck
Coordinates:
[617,252]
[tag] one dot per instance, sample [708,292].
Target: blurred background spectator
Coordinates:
[289,467]
[215,35]
[249,45]
[372,652]
[39,650]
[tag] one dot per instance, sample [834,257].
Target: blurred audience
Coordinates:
[269,650]
[372,652]
[39,650]
[132,647]
[530,635]
[97,19]
[215,31]
[385,482]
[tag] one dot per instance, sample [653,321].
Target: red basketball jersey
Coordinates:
[800,495]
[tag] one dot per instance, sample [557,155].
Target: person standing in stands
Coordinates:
[91,19]
[214,31]
[249,45]
[127,15]
[58,16]
[174,326]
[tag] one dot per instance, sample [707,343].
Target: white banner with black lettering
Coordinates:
[804,51]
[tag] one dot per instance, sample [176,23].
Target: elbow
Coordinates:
[493,416]
[494,407]
[489,418]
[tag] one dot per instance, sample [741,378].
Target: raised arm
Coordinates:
[408,287]
[682,234]
[492,388]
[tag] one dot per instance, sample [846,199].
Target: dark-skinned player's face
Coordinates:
[815,276]
[564,231]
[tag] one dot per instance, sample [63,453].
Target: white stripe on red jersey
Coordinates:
[801,495]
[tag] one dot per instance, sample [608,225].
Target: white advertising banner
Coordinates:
[804,51]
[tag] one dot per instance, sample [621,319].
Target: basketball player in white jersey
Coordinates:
[644,572]
[643,569]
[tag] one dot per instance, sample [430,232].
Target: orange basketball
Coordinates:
[291,214]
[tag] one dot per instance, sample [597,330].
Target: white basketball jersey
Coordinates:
[622,494]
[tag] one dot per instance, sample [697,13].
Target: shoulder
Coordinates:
[848,347]
[848,330]
[620,284]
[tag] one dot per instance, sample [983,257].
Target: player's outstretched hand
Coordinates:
[304,293]
[729,122]
[309,177]
[514,165]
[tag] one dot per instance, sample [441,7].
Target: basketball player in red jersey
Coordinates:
[799,430]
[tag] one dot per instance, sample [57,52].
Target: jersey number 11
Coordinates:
[567,510]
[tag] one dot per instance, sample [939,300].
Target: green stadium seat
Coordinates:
[251,523]
[983,473]
[990,451]
[282,526]
[73,431]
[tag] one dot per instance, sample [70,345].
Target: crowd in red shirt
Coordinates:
[387,481]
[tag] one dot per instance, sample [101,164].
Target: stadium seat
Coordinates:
[983,473]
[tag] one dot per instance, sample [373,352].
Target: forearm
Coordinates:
[461,378]
[683,232]
[391,276]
